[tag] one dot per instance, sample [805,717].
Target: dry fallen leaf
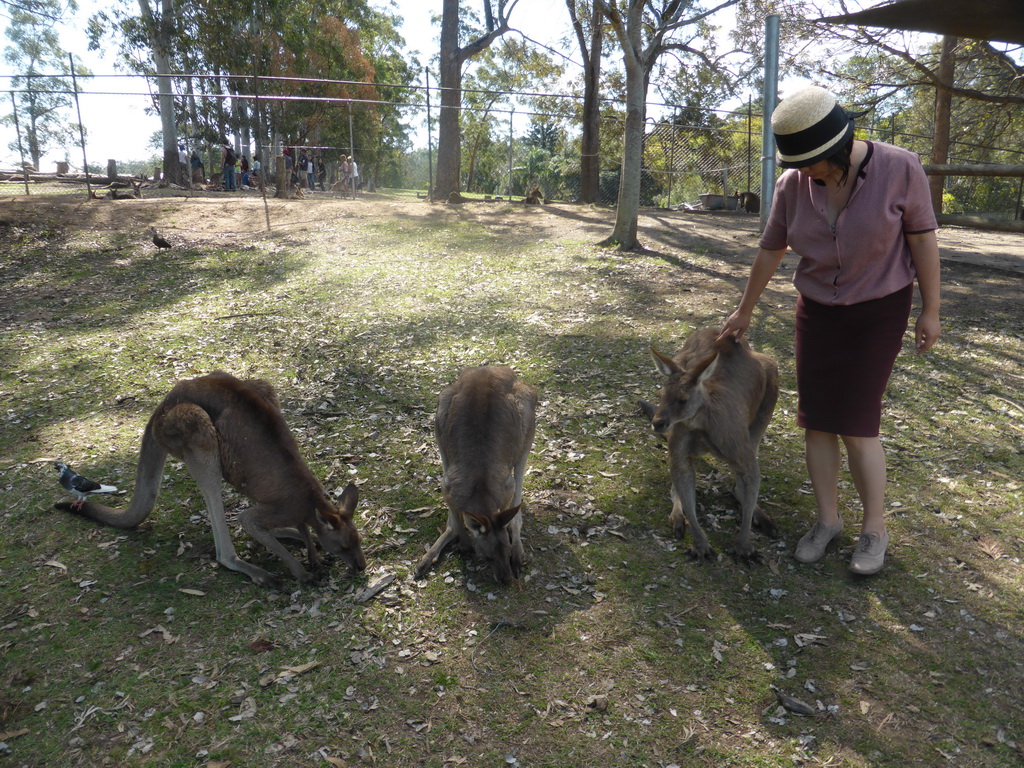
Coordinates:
[990,547]
[300,669]
[885,721]
[372,590]
[804,639]
[159,628]
[195,592]
[794,705]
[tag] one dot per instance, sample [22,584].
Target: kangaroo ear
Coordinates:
[647,409]
[504,518]
[482,520]
[349,499]
[665,365]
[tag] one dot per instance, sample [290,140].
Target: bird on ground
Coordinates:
[78,485]
[158,241]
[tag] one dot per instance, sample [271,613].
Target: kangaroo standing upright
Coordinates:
[718,398]
[484,426]
[226,428]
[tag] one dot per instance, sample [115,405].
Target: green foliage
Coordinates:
[37,61]
[223,47]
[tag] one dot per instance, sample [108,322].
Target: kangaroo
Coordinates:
[484,427]
[230,429]
[718,398]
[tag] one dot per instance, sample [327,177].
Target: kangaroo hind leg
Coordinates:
[190,434]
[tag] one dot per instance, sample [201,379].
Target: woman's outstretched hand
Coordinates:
[735,325]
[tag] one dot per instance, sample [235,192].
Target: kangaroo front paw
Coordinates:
[748,556]
[701,553]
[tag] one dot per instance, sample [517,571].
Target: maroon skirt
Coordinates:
[844,356]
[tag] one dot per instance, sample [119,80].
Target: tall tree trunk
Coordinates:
[628,205]
[160,39]
[943,105]
[449,143]
[449,133]
[590,144]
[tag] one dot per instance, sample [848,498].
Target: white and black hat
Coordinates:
[810,126]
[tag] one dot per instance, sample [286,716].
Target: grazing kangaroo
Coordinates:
[226,428]
[484,426]
[718,399]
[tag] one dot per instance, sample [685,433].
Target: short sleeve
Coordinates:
[918,214]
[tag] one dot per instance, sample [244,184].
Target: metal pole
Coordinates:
[351,137]
[264,166]
[81,130]
[750,138]
[510,114]
[771,96]
[430,144]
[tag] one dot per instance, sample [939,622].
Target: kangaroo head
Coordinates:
[491,541]
[341,537]
[681,396]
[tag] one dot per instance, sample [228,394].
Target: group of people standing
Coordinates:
[307,171]
[310,172]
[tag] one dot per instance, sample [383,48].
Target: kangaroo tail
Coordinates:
[148,476]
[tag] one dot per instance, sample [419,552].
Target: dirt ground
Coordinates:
[227,218]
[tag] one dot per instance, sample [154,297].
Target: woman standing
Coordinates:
[859,215]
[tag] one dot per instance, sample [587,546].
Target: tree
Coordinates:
[226,53]
[158,21]
[35,53]
[590,142]
[504,69]
[646,29]
[452,58]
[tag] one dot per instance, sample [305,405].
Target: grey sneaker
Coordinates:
[811,548]
[869,555]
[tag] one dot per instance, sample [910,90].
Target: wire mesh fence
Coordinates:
[708,162]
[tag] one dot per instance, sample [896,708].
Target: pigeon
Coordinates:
[78,485]
[158,241]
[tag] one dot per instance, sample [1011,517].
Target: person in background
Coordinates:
[859,216]
[353,170]
[256,174]
[321,173]
[228,160]
[186,177]
[346,175]
[198,171]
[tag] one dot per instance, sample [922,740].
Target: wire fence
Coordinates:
[712,161]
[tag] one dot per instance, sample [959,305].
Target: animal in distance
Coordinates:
[718,398]
[158,240]
[484,426]
[224,428]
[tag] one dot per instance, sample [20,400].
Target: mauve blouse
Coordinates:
[867,256]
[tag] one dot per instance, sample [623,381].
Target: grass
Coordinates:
[614,649]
